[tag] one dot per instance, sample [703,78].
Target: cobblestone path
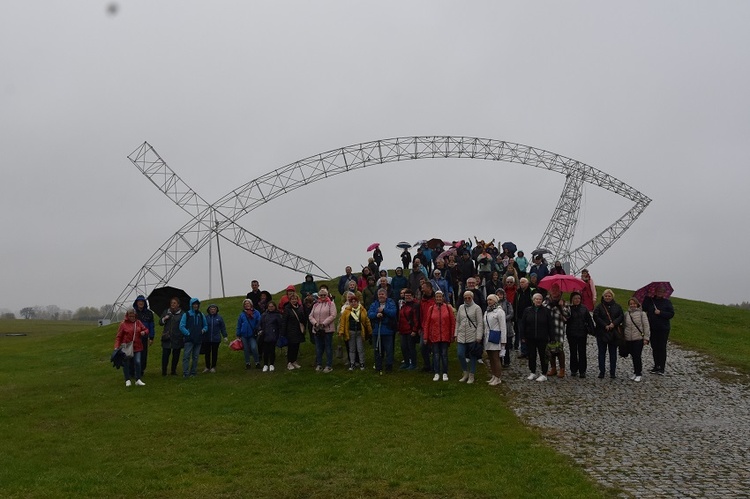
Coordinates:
[685,434]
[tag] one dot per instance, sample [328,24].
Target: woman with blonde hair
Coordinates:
[637,334]
[355,328]
[495,337]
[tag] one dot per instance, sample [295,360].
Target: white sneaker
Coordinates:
[139,383]
[637,379]
[445,377]
[327,369]
[542,377]
[491,380]
[480,361]
[272,368]
[464,377]
[290,366]
[296,365]
[434,378]
[471,379]
[128,383]
[212,370]
[531,376]
[206,370]
[496,382]
[632,377]
[318,369]
[265,369]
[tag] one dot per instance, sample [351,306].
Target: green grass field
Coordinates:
[71,428]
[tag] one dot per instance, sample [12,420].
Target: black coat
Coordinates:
[602,314]
[536,324]
[290,324]
[579,323]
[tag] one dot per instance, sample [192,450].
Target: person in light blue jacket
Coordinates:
[248,324]
[382,315]
[192,327]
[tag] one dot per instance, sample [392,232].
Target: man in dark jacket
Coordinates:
[146,316]
[521,303]
[660,312]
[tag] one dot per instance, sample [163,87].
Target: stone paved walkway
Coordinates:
[686,434]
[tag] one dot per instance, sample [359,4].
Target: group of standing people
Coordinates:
[493,309]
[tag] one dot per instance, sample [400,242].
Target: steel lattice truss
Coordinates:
[222,216]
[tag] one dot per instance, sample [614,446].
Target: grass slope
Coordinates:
[71,428]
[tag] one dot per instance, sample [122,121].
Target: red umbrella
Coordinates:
[567,283]
[373,246]
[650,290]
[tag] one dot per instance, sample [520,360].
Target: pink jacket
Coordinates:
[323,312]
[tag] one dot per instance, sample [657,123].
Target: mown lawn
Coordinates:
[71,428]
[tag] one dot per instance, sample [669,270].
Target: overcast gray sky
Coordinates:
[653,93]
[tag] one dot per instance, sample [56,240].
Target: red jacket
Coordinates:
[424,306]
[439,324]
[125,334]
[408,318]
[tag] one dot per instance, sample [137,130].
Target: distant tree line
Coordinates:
[744,304]
[55,313]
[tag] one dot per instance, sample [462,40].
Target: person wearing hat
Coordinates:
[290,290]
[308,287]
[192,325]
[216,329]
[146,316]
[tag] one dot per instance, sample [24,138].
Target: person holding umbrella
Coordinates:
[377,256]
[382,315]
[660,312]
[172,340]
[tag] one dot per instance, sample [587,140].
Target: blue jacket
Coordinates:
[248,326]
[216,328]
[270,324]
[398,283]
[386,325]
[193,324]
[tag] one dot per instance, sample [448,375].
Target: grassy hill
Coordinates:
[71,428]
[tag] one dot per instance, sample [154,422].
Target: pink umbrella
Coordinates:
[449,251]
[567,283]
[650,290]
[373,246]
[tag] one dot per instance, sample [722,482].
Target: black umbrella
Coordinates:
[510,247]
[159,299]
[540,251]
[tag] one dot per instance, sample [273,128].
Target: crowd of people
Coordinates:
[486,300]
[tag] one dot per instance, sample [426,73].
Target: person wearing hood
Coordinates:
[290,290]
[248,323]
[131,329]
[172,340]
[146,316]
[308,288]
[382,314]
[608,317]
[588,293]
[405,258]
[370,292]
[399,282]
[216,330]
[192,326]
[469,330]
[270,327]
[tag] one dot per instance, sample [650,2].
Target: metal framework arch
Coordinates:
[224,214]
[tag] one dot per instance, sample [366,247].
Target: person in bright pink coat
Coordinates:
[588,293]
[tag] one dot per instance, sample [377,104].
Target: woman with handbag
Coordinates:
[355,328]
[496,337]
[322,318]
[469,330]
[129,337]
[608,319]
[293,324]
[637,334]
